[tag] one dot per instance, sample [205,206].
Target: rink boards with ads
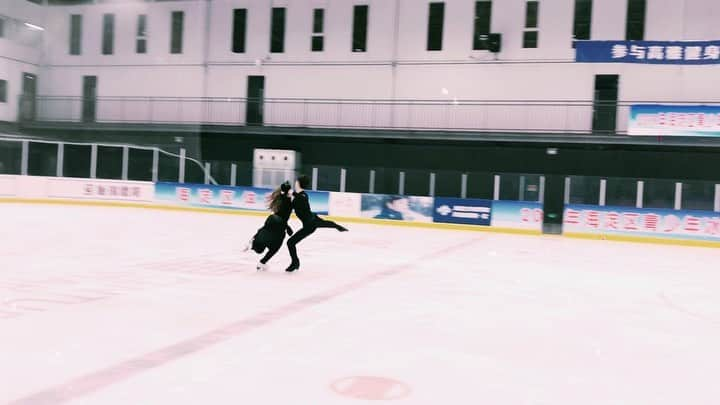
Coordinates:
[589,220]
[227,197]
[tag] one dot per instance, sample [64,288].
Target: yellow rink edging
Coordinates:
[433,225]
[643,239]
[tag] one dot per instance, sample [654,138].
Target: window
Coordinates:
[239,30]
[436,18]
[318,41]
[635,26]
[483,13]
[3,91]
[277,30]
[141,40]
[360,21]
[75,34]
[583,19]
[176,38]
[108,35]
[530,38]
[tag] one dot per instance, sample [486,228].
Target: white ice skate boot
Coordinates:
[262,267]
[248,246]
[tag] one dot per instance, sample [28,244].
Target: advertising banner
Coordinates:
[665,223]
[649,52]
[517,215]
[243,198]
[674,120]
[93,189]
[397,207]
[462,211]
[345,205]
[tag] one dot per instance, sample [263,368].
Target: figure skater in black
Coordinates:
[272,234]
[310,221]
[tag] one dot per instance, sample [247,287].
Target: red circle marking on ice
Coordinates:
[373,388]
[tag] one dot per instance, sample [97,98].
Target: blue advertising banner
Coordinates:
[243,198]
[649,52]
[664,223]
[517,215]
[396,207]
[674,120]
[462,211]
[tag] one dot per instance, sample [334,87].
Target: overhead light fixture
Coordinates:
[34,27]
[552,151]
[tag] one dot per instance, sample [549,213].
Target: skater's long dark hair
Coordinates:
[275,199]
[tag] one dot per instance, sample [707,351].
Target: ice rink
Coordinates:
[129,306]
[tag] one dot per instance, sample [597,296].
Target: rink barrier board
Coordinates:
[642,239]
[224,211]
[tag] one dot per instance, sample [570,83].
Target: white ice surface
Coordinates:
[130,306]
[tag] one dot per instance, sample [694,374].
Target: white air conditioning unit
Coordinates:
[271,167]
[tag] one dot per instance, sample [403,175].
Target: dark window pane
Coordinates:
[583,19]
[75,34]
[42,159]
[584,190]
[318,44]
[698,195]
[277,30]
[530,39]
[10,157]
[621,192]
[436,19]
[142,26]
[108,36]
[141,46]
[531,14]
[2,27]
[483,16]
[659,194]
[176,39]
[635,25]
[109,162]
[239,30]
[140,164]
[318,21]
[76,161]
[3,91]
[360,21]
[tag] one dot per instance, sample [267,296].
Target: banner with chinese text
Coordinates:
[644,222]
[244,198]
[517,215]
[651,52]
[674,120]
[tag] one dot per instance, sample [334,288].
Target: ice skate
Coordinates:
[261,267]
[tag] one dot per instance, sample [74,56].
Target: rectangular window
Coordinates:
[318,40]
[75,34]
[583,20]
[530,39]
[141,40]
[108,35]
[635,26]
[483,13]
[239,30]
[436,18]
[360,22]
[176,38]
[3,91]
[531,14]
[277,30]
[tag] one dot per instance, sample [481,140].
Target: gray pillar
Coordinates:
[496,187]
[93,161]
[181,171]
[233,175]
[155,164]
[463,185]
[541,191]
[640,192]
[24,158]
[343,177]
[371,189]
[678,196]
[401,183]
[125,160]
[315,178]
[432,185]
[568,184]
[603,192]
[60,160]
[207,173]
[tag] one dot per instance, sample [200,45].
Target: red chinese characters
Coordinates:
[592,219]
[651,222]
[692,224]
[612,220]
[671,223]
[249,197]
[205,195]
[630,221]
[227,197]
[572,217]
[183,193]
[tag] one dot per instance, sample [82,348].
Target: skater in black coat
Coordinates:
[272,234]
[310,221]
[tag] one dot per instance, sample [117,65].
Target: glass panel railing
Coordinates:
[10,157]
[698,195]
[621,192]
[140,164]
[584,190]
[658,193]
[42,159]
[76,162]
[109,162]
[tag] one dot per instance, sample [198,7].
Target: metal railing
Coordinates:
[500,116]
[131,162]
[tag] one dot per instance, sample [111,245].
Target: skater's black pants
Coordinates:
[308,229]
[270,236]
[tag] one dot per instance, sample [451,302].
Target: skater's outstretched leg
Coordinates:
[324,223]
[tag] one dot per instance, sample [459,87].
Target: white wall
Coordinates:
[399,68]
[16,58]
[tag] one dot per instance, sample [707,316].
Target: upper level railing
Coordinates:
[565,117]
